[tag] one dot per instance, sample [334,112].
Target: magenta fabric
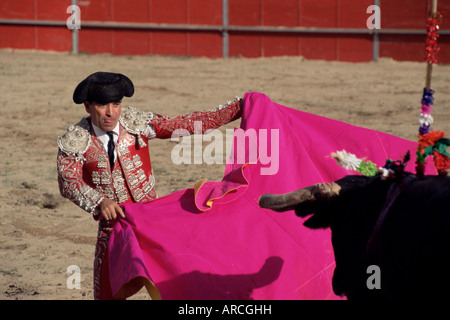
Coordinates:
[230,248]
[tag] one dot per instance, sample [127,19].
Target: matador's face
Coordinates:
[104,116]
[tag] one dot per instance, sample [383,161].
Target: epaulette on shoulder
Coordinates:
[135,121]
[76,140]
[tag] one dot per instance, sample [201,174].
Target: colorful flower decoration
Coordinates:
[350,162]
[431,142]
[392,169]
[431,47]
[426,119]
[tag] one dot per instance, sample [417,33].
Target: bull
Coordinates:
[400,225]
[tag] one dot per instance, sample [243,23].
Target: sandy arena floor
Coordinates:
[41,233]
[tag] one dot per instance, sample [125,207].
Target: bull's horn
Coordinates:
[288,201]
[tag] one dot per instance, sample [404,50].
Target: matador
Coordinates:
[103,160]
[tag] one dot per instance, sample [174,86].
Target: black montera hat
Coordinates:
[103,87]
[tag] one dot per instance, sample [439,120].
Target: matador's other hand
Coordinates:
[110,210]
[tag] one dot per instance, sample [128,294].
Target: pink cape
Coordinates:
[213,241]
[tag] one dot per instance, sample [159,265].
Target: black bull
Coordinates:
[402,227]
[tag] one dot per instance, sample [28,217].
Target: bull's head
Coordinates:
[315,199]
[350,207]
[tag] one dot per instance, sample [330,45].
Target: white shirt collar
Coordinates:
[100,132]
[103,137]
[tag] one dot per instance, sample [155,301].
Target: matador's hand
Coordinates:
[110,210]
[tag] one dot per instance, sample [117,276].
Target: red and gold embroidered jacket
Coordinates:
[84,173]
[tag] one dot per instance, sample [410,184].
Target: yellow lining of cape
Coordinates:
[198,185]
[136,284]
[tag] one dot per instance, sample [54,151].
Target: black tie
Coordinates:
[111,147]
